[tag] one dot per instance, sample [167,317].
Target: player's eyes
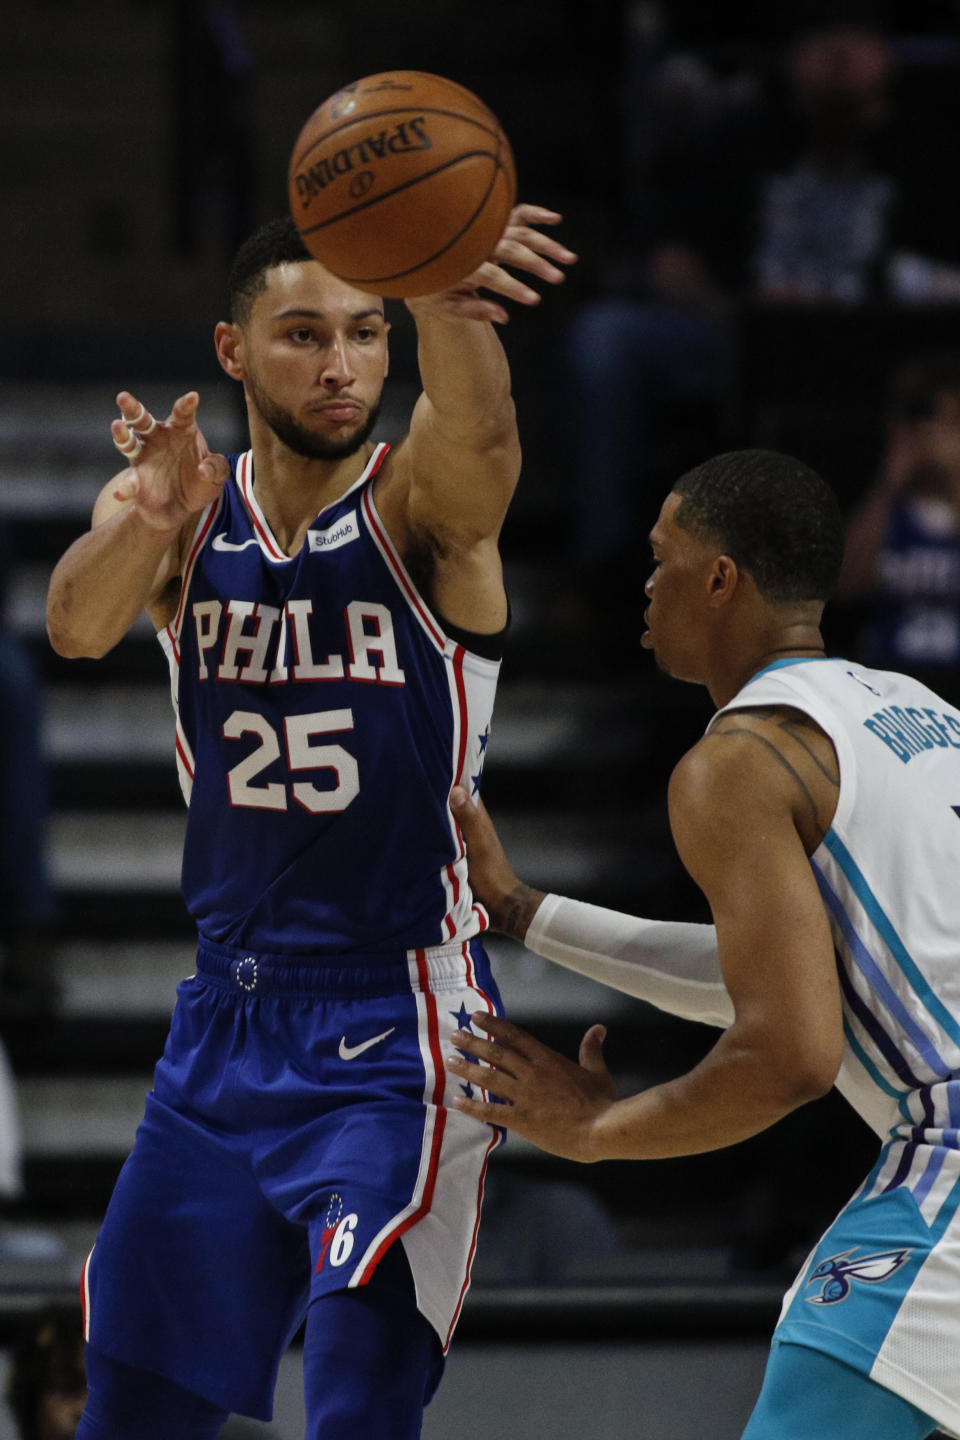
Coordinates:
[366,333]
[301,336]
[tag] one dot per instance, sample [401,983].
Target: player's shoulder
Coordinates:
[746,753]
[768,722]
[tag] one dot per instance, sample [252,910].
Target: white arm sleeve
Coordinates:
[672,964]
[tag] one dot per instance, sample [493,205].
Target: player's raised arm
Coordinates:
[459,466]
[127,560]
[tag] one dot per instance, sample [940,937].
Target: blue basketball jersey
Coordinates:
[322,718]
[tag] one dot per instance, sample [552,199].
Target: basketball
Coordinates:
[402,183]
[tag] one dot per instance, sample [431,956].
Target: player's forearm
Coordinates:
[670,964]
[466,378]
[738,1090]
[102,584]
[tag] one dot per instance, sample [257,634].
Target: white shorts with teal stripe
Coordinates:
[881,1291]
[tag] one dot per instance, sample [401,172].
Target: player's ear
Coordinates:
[722,581]
[228,339]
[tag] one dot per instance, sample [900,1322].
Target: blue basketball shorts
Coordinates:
[298,1127]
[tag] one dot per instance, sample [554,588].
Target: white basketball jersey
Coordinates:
[889,873]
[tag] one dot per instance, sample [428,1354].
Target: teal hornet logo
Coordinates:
[836,1273]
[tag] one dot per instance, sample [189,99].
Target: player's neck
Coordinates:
[291,490]
[794,642]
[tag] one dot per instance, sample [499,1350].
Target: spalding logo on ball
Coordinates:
[402,183]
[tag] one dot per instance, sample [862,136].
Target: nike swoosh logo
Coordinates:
[350,1052]
[220,542]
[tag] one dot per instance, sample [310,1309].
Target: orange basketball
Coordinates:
[402,183]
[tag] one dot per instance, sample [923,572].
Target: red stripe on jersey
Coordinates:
[378,460]
[246,492]
[399,573]
[433,1028]
[458,655]
[472,980]
[195,549]
[173,645]
[84,1308]
[426,1199]
[471,969]
[184,757]
[494,1140]
[462,721]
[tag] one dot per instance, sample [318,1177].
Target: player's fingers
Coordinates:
[511,251]
[483,1110]
[536,251]
[525,214]
[469,306]
[185,409]
[591,1050]
[495,1082]
[493,277]
[135,414]
[497,1056]
[504,1033]
[126,488]
[474,822]
[126,440]
[214,468]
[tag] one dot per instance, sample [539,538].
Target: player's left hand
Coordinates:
[549,1099]
[522,246]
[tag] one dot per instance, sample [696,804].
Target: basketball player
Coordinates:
[333,612]
[820,815]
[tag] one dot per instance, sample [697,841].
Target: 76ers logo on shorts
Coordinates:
[337,1238]
[836,1273]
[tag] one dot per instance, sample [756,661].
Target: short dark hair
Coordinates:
[777,518]
[275,243]
[918,382]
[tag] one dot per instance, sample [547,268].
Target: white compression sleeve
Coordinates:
[672,964]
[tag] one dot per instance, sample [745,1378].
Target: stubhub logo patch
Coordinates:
[341,533]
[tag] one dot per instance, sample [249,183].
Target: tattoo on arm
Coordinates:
[795,724]
[513,915]
[796,731]
[791,727]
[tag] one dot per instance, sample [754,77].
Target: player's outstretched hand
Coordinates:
[171,472]
[549,1100]
[510,903]
[523,246]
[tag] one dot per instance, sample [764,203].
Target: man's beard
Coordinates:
[302,441]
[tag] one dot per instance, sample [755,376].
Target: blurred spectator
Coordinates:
[47,1383]
[796,195]
[26,897]
[46,1386]
[903,541]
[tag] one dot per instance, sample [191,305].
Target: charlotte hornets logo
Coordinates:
[837,1271]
